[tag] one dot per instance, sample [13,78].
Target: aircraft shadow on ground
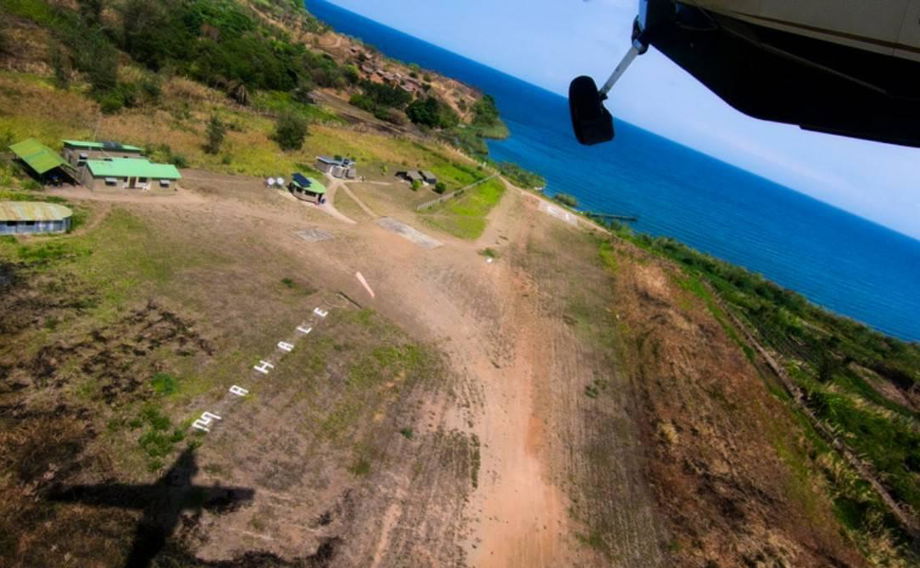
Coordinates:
[162,503]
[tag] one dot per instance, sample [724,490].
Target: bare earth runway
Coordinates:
[521,361]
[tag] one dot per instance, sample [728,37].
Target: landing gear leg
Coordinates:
[591,121]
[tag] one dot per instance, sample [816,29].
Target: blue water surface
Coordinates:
[838,260]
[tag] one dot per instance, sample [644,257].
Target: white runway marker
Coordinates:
[239,391]
[364,283]
[205,421]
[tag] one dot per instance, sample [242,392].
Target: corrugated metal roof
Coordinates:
[132,167]
[38,156]
[308,184]
[32,211]
[316,187]
[114,146]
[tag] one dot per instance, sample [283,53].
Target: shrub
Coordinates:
[215,135]
[566,199]
[440,187]
[60,66]
[164,383]
[290,132]
[178,160]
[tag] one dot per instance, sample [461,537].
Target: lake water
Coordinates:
[840,261]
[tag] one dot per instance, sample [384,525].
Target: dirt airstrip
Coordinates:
[471,413]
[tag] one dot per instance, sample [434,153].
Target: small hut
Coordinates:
[33,217]
[307,189]
[342,168]
[410,176]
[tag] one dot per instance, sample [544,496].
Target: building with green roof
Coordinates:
[129,173]
[77,152]
[44,162]
[307,188]
[30,217]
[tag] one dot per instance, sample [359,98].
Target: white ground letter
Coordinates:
[264,367]
[239,391]
[204,423]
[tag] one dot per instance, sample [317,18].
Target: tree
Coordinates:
[303,92]
[290,131]
[432,113]
[60,65]
[440,187]
[100,62]
[91,11]
[215,135]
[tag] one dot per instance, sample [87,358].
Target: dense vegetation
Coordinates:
[217,42]
[383,101]
[521,177]
[485,113]
[433,113]
[860,383]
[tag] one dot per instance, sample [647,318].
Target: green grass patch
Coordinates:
[465,216]
[159,437]
[278,102]
[361,467]
[164,384]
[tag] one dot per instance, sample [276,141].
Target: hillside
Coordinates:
[482,381]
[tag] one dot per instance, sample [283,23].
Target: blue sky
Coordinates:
[547,42]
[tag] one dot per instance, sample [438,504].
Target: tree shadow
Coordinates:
[162,503]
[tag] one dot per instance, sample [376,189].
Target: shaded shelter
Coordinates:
[43,163]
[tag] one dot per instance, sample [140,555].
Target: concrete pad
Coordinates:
[558,213]
[314,235]
[408,233]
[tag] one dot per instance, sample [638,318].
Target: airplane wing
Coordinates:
[841,68]
[847,68]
